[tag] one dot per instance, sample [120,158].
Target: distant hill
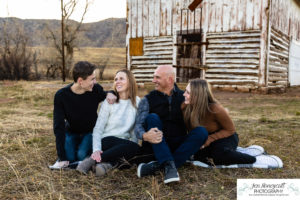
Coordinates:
[97,34]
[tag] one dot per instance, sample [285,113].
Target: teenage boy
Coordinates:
[75,113]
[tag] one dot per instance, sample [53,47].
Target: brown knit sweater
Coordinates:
[219,123]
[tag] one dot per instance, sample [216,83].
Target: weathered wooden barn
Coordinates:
[235,44]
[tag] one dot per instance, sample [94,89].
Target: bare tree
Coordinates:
[16,59]
[65,42]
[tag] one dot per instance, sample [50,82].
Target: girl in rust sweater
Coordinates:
[200,108]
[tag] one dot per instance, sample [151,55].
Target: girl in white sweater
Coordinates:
[113,136]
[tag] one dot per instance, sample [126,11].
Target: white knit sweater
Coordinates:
[117,120]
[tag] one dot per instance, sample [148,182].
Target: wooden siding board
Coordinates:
[231,51]
[256,14]
[151,18]
[278,60]
[231,57]
[163,18]
[197,18]
[205,18]
[128,33]
[249,14]
[157,16]
[139,18]
[157,51]
[169,16]
[233,66]
[240,55]
[134,19]
[145,18]
[226,16]
[218,16]
[191,21]
[263,44]
[212,17]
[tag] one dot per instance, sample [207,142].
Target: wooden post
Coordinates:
[63,41]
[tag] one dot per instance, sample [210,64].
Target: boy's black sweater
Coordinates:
[75,114]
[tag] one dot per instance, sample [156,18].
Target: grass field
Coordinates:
[27,147]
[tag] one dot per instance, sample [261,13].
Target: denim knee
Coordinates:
[152,117]
[153,120]
[82,154]
[200,133]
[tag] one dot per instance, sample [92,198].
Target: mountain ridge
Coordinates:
[110,32]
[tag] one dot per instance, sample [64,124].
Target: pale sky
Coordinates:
[50,9]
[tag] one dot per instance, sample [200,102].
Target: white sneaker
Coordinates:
[268,161]
[253,150]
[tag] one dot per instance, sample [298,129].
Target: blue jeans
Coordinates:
[78,147]
[177,149]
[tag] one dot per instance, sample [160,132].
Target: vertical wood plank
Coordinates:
[145,18]
[191,21]
[157,16]
[163,18]
[197,18]
[256,13]
[169,5]
[233,18]
[240,13]
[128,34]
[184,22]
[134,18]
[249,15]
[140,18]
[226,15]
[262,79]
[219,16]
[151,18]
[176,16]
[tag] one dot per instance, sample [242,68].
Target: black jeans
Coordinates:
[118,151]
[223,152]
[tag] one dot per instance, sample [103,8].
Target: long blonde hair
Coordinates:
[132,87]
[201,98]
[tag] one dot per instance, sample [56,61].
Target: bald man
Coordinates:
[160,126]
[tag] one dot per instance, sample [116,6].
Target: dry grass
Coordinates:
[27,147]
[114,57]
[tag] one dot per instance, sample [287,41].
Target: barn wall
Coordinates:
[232,58]
[278,60]
[157,51]
[248,40]
[158,22]
[150,18]
[285,17]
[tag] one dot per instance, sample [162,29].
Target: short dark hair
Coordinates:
[83,69]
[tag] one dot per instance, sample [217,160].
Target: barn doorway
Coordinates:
[189,64]
[189,57]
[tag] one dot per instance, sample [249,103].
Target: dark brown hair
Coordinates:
[83,69]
